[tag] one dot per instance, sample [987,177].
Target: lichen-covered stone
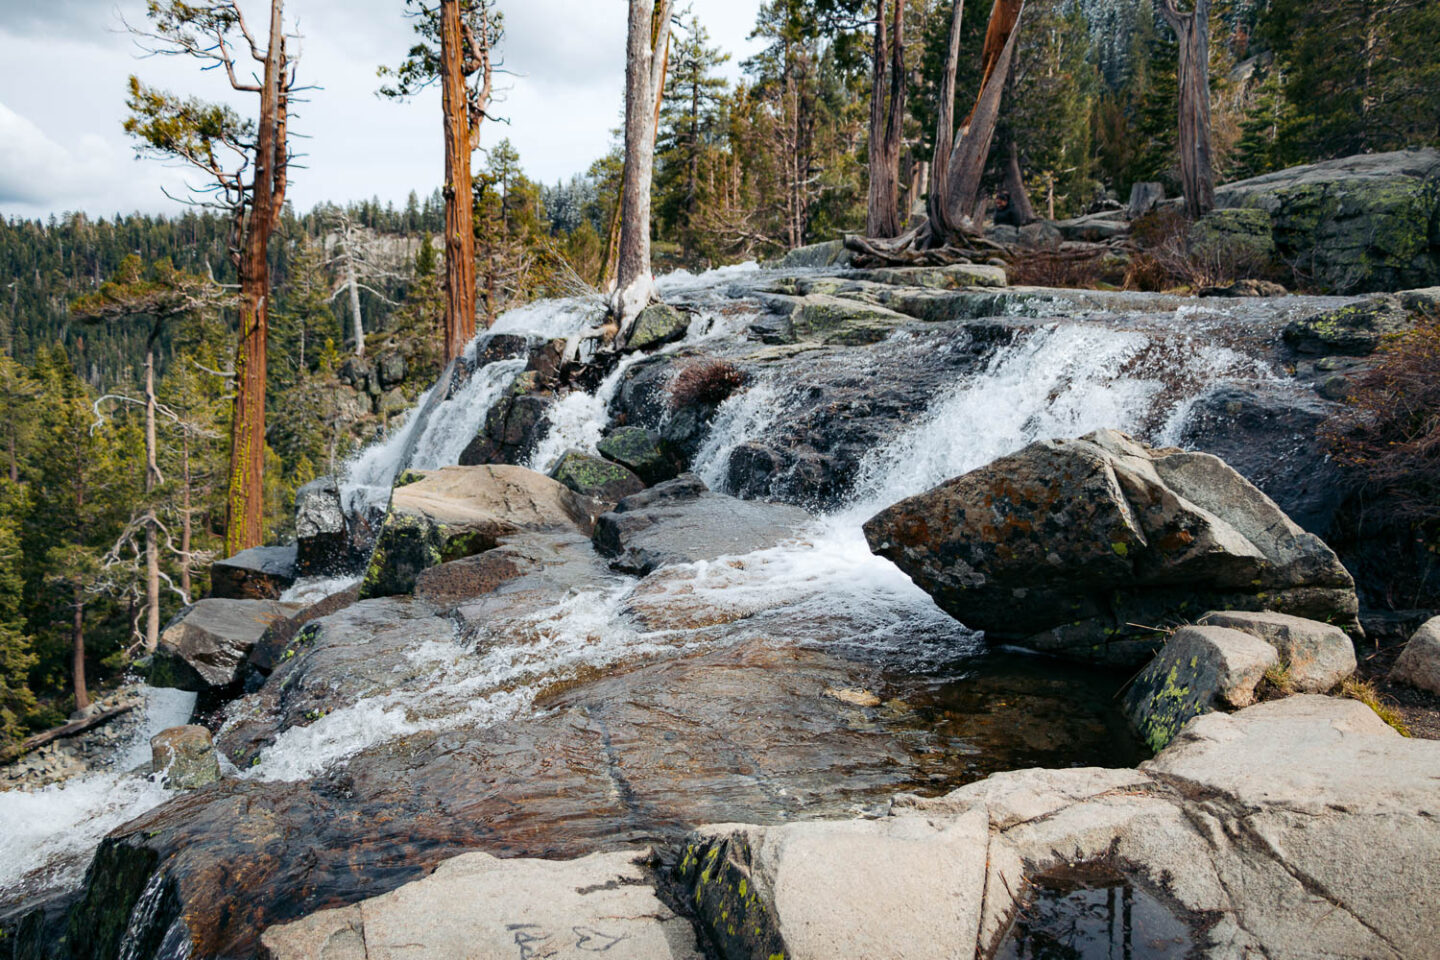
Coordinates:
[186,757]
[1085,547]
[1240,235]
[1199,670]
[596,477]
[656,326]
[1356,329]
[816,256]
[642,452]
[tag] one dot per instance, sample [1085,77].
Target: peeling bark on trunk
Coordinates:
[887,122]
[459,186]
[649,32]
[1197,169]
[245,522]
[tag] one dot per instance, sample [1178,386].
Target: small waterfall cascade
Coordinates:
[1063,378]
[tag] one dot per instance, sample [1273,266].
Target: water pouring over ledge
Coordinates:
[823,592]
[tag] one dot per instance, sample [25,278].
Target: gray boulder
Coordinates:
[1316,657]
[1419,663]
[262,573]
[207,645]
[817,256]
[1199,670]
[460,512]
[656,326]
[186,756]
[1084,547]
[322,532]
[596,478]
[1356,330]
[1355,225]
[642,452]
[684,522]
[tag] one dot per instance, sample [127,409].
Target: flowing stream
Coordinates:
[825,588]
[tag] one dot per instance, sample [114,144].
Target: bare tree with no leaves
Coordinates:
[1197,168]
[361,259]
[649,32]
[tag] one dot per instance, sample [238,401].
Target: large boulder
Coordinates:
[684,522]
[480,907]
[262,573]
[1316,657]
[1356,329]
[656,326]
[1087,547]
[458,512]
[206,646]
[322,531]
[1303,828]
[1360,224]
[1201,669]
[1241,238]
[820,256]
[1419,663]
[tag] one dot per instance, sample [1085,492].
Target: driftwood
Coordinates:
[13,753]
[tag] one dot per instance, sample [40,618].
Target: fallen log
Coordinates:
[12,753]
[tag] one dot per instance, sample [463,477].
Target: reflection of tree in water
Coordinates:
[1089,913]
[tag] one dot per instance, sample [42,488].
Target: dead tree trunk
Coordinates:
[1015,184]
[1197,169]
[635,284]
[245,524]
[887,122]
[352,280]
[152,521]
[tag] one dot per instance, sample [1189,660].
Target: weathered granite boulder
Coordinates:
[262,573]
[1144,197]
[207,644]
[322,533]
[684,522]
[1199,670]
[596,478]
[1239,237]
[1316,657]
[459,512]
[1419,663]
[1356,225]
[1357,329]
[1301,828]
[514,429]
[656,326]
[817,256]
[1083,547]
[186,757]
[642,452]
[479,907]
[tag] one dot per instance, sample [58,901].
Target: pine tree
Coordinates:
[689,124]
[17,655]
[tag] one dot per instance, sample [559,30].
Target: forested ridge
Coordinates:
[742,171]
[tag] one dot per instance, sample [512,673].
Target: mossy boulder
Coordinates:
[656,326]
[1241,236]
[1361,224]
[1355,330]
[596,477]
[814,257]
[642,452]
[459,512]
[844,322]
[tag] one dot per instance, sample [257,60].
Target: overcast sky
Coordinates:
[64,65]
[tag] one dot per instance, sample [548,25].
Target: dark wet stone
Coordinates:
[513,431]
[259,574]
[207,645]
[683,522]
[323,543]
[642,452]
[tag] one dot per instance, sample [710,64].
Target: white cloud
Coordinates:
[63,67]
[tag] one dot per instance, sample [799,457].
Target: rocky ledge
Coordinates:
[1300,828]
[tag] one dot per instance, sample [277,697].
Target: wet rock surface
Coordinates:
[1239,831]
[512,431]
[208,643]
[185,756]
[596,478]
[263,573]
[684,522]
[1096,535]
[322,531]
